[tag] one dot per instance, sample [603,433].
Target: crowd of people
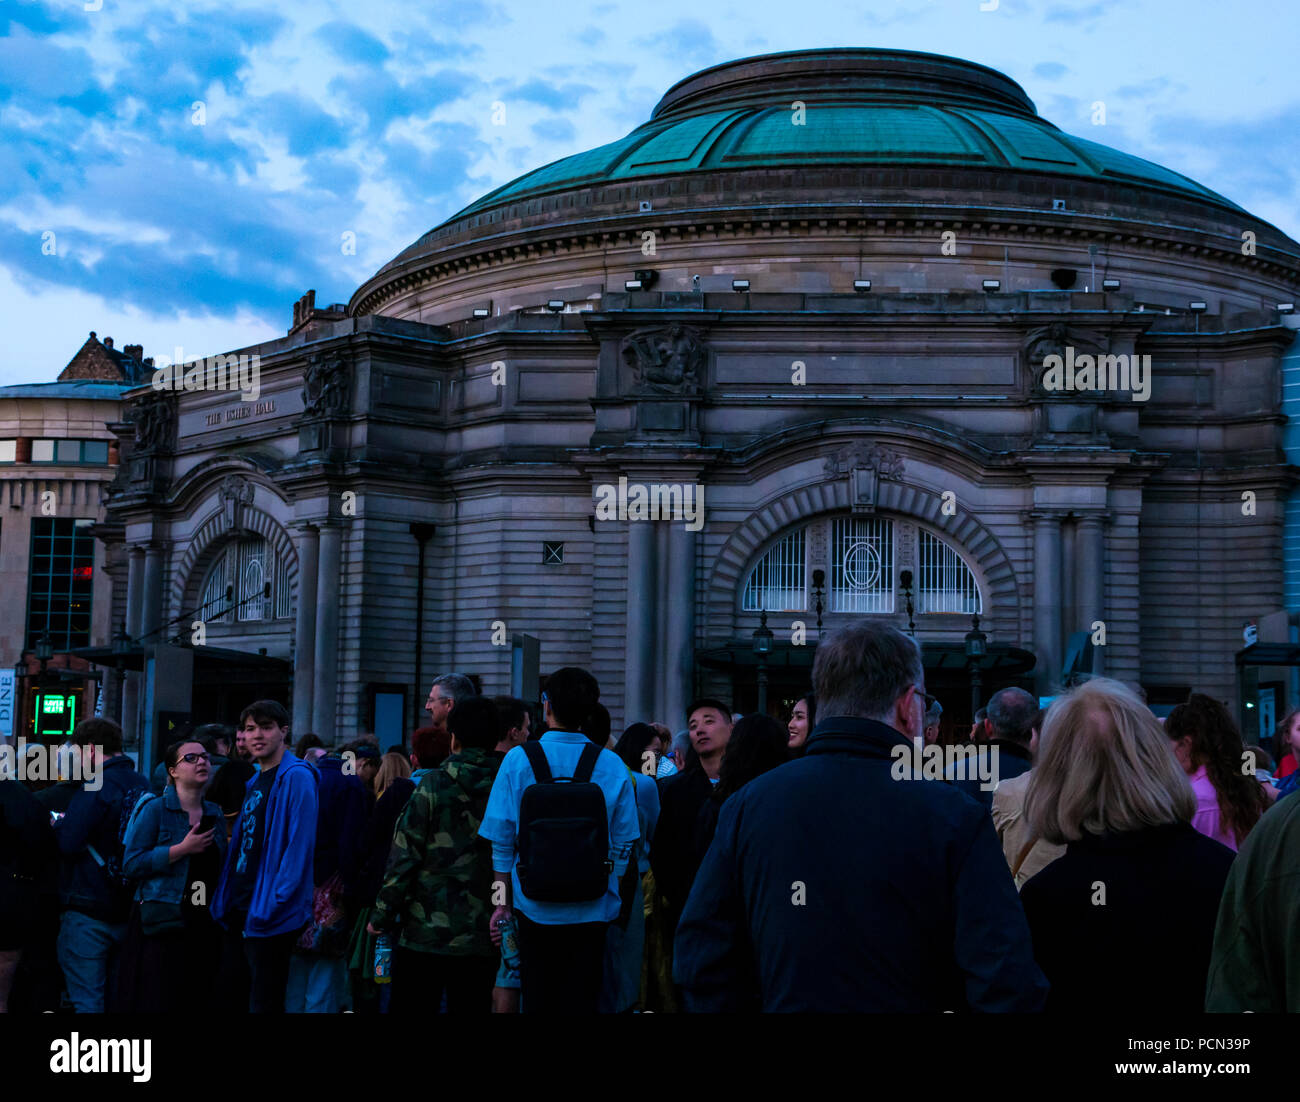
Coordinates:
[513,860]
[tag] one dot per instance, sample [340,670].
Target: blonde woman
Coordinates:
[1126,917]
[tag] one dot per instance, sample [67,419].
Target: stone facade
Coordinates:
[921,400]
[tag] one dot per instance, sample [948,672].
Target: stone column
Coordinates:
[325,683]
[134,610]
[638,695]
[1090,584]
[1047,602]
[151,599]
[307,543]
[679,651]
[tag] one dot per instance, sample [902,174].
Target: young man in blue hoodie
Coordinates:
[264,898]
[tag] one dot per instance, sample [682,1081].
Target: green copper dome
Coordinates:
[860,107]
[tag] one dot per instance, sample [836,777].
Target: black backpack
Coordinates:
[563,835]
[127,805]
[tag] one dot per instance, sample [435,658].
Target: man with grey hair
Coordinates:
[444,693]
[933,714]
[1006,733]
[832,886]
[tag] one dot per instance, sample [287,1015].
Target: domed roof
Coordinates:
[861,107]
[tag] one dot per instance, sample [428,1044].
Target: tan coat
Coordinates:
[1014,832]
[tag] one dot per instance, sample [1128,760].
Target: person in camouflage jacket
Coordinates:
[438,884]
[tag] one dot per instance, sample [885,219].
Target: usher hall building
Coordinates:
[817,294]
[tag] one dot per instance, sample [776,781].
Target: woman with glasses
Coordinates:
[175,845]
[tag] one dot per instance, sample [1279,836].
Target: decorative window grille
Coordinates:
[280,589]
[945,583]
[862,565]
[247,565]
[252,579]
[215,609]
[779,582]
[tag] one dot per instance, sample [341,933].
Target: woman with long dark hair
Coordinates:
[174,847]
[1209,747]
[758,743]
[803,718]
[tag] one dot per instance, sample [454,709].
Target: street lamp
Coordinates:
[905,580]
[976,649]
[762,648]
[44,650]
[121,648]
[819,583]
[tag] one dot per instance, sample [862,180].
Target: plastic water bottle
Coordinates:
[383,959]
[509,943]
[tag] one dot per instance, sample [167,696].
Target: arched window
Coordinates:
[243,568]
[944,582]
[779,582]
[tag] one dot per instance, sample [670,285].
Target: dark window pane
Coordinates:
[67,451]
[95,451]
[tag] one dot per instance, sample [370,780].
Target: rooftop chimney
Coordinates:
[134,351]
[108,342]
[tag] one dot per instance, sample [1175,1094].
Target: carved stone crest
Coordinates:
[327,386]
[1055,340]
[865,464]
[860,454]
[666,360]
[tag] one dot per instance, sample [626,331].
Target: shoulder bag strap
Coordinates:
[587,763]
[537,759]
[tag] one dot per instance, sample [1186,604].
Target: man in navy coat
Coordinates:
[845,881]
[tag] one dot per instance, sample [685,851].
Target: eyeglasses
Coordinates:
[194,759]
[930,701]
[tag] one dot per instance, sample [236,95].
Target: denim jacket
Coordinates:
[160,824]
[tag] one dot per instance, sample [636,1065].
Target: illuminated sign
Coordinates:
[56,715]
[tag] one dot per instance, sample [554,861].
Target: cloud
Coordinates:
[383,100]
[1050,70]
[590,36]
[304,126]
[688,39]
[1073,16]
[350,43]
[558,97]
[554,130]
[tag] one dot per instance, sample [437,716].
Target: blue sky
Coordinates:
[321,119]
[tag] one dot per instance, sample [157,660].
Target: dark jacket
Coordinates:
[377,839]
[676,853]
[1255,964]
[1013,760]
[1144,945]
[95,819]
[340,820]
[438,884]
[282,894]
[27,852]
[856,891]
[161,824]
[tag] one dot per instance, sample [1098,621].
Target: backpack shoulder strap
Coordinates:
[140,804]
[587,763]
[537,759]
